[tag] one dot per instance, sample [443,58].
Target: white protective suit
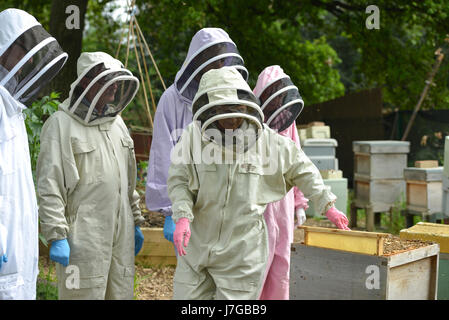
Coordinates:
[86,175]
[29,58]
[225,197]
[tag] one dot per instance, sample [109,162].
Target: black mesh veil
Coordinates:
[30,62]
[281,104]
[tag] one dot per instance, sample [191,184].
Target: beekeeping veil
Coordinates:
[29,56]
[224,94]
[102,90]
[279,98]
[211,48]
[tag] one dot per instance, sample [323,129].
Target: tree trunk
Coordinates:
[71,40]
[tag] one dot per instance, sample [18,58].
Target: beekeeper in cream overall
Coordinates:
[29,59]
[218,205]
[86,174]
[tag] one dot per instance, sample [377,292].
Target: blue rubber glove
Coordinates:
[3,258]
[60,252]
[169,228]
[138,237]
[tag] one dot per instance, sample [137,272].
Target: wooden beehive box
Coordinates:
[438,233]
[318,132]
[424,189]
[156,249]
[380,159]
[380,194]
[356,265]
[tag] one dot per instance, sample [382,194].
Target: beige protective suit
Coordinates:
[225,202]
[86,176]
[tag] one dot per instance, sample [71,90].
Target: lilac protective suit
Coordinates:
[279,216]
[174,113]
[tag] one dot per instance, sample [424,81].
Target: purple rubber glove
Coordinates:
[181,235]
[338,218]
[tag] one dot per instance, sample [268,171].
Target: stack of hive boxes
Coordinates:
[424,190]
[379,173]
[317,144]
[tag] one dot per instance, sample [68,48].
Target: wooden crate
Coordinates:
[424,189]
[337,274]
[156,249]
[352,241]
[380,194]
[380,159]
[438,233]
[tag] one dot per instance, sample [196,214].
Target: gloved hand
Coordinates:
[169,228]
[300,217]
[60,252]
[138,237]
[182,232]
[3,258]
[338,218]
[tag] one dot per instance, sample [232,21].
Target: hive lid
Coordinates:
[429,231]
[320,143]
[381,146]
[424,174]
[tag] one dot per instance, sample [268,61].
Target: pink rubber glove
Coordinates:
[181,234]
[338,218]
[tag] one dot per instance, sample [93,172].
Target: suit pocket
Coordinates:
[87,159]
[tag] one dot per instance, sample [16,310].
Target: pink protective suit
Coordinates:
[279,216]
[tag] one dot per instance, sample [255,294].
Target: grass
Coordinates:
[46,287]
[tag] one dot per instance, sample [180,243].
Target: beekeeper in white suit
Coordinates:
[225,169]
[29,59]
[86,184]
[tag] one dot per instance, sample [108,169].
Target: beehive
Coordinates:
[322,153]
[338,264]
[424,189]
[379,173]
[438,233]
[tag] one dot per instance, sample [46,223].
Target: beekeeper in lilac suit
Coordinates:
[210,48]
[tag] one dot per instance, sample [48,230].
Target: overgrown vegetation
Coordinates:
[36,115]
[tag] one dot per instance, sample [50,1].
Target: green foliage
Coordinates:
[36,115]
[263,39]
[46,286]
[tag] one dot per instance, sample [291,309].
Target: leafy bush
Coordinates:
[36,115]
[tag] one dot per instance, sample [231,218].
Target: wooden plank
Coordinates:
[156,260]
[416,194]
[434,232]
[327,274]
[426,164]
[412,281]
[351,241]
[413,255]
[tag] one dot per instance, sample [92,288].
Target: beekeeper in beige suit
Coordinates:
[225,169]
[86,177]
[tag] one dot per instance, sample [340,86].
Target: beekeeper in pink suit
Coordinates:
[281,104]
